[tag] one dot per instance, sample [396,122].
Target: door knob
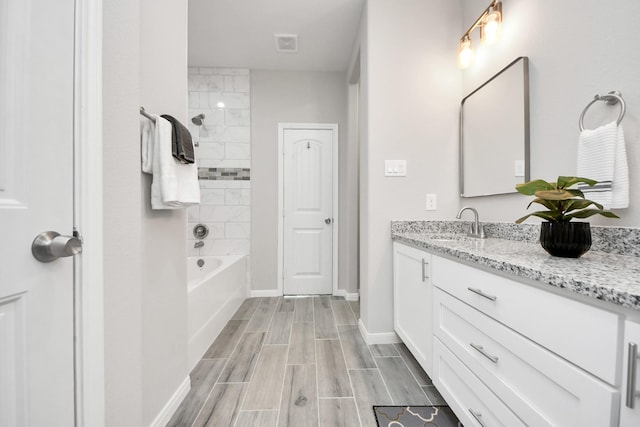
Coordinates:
[49,246]
[327,220]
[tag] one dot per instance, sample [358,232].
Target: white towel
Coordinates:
[174,184]
[602,156]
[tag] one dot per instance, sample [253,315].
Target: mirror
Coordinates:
[494,133]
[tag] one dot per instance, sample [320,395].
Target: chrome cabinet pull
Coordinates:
[424,269]
[482,294]
[632,365]
[478,417]
[483,352]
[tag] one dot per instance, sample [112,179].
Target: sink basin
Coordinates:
[449,237]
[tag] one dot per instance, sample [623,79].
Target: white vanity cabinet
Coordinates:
[546,357]
[504,352]
[412,302]
[630,407]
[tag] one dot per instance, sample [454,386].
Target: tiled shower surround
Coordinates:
[223,157]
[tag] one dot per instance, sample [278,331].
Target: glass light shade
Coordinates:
[465,53]
[491,27]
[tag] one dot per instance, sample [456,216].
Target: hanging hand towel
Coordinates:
[602,156]
[182,143]
[174,185]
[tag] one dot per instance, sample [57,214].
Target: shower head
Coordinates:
[198,120]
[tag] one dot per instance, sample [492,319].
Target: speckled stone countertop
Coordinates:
[610,271]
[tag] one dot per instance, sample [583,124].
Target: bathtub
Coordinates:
[215,291]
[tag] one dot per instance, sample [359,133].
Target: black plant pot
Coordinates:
[565,239]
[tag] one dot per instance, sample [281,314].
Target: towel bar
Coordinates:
[147,115]
[612,98]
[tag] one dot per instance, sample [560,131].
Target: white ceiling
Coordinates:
[239,33]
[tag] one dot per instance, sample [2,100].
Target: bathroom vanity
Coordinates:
[512,336]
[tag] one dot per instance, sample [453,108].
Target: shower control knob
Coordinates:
[49,246]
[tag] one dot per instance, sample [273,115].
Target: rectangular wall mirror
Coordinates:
[494,133]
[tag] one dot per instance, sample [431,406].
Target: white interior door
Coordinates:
[308,211]
[36,194]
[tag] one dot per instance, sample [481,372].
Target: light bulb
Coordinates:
[465,53]
[490,30]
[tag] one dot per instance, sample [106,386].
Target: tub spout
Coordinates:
[199,244]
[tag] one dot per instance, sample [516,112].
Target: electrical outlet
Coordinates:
[431,202]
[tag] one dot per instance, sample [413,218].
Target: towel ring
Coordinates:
[612,98]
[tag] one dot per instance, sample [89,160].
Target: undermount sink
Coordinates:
[448,237]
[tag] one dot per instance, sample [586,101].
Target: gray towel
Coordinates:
[181,142]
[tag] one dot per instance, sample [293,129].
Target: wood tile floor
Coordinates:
[299,362]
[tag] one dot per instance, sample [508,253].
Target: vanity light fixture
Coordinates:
[490,24]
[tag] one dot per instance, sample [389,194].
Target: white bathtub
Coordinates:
[215,291]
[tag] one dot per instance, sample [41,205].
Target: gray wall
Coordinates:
[163,89]
[122,218]
[145,250]
[572,57]
[409,110]
[413,44]
[284,97]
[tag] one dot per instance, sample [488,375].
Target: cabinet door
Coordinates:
[630,407]
[412,293]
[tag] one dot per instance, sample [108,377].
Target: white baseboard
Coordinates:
[163,418]
[380,338]
[348,296]
[256,293]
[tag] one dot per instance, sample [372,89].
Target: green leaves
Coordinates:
[563,203]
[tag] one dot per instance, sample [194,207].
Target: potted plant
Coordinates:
[558,235]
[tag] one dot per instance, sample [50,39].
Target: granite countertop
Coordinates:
[611,277]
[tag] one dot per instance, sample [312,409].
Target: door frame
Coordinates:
[89,387]
[335,196]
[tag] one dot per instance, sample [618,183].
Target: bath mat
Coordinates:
[415,416]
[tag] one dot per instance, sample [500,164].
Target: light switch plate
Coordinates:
[395,168]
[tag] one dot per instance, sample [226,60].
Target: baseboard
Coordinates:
[257,293]
[163,418]
[380,338]
[348,296]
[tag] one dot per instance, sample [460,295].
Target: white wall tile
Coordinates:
[237,118]
[236,100]
[210,150]
[203,99]
[225,213]
[194,99]
[192,252]
[193,213]
[224,141]
[226,247]
[237,150]
[236,84]
[237,196]
[212,196]
[230,134]
[237,230]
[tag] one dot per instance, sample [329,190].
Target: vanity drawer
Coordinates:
[585,335]
[541,388]
[466,394]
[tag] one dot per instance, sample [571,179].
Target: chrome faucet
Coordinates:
[199,244]
[477,230]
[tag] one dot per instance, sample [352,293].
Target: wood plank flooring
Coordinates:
[293,362]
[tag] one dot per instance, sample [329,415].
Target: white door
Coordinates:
[36,195]
[308,211]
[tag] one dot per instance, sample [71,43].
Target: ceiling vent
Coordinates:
[286,42]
